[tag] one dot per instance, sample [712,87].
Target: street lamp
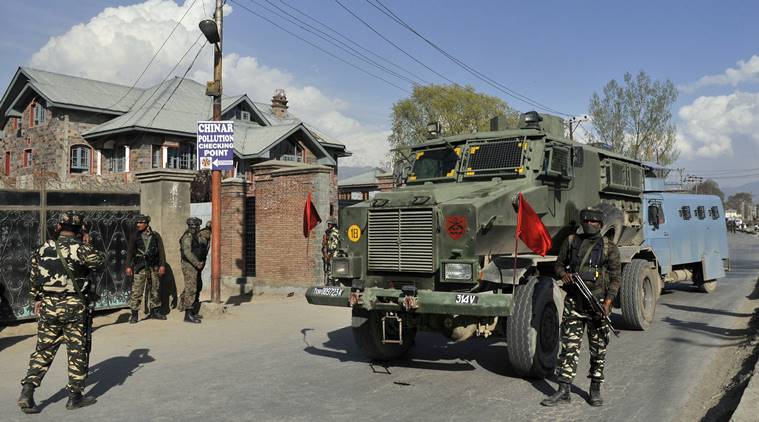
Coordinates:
[212,29]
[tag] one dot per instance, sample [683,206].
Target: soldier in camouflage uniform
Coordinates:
[596,259]
[60,307]
[204,237]
[146,260]
[190,247]
[330,245]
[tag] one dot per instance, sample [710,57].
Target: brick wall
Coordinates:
[283,256]
[232,228]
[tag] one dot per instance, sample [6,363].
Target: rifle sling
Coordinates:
[66,268]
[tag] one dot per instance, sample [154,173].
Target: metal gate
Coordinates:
[28,218]
[250,236]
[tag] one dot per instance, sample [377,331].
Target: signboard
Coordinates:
[215,145]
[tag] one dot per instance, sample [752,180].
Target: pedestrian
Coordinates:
[146,261]
[59,270]
[596,260]
[204,237]
[330,246]
[190,247]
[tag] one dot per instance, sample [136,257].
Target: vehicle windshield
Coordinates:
[435,163]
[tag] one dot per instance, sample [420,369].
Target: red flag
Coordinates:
[530,228]
[310,217]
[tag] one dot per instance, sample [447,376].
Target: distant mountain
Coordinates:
[344,172]
[752,188]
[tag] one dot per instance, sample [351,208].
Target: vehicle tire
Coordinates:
[708,286]
[638,294]
[367,332]
[533,329]
[614,221]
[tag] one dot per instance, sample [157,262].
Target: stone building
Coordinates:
[61,132]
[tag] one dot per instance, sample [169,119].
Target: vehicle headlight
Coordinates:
[458,271]
[341,267]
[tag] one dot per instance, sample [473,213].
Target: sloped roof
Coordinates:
[89,93]
[251,139]
[366,178]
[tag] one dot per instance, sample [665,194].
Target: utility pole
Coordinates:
[574,122]
[212,29]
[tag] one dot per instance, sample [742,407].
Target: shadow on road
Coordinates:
[704,310]
[107,374]
[430,351]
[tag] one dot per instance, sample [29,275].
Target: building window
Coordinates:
[181,157]
[116,159]
[156,155]
[39,114]
[7,163]
[245,115]
[287,151]
[27,158]
[80,159]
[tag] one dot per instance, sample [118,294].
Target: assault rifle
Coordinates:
[594,303]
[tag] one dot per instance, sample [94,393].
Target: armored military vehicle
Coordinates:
[438,254]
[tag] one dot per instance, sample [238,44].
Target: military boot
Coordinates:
[156,314]
[196,310]
[189,317]
[77,400]
[595,394]
[26,400]
[133,318]
[561,396]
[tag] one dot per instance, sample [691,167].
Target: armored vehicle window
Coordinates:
[685,212]
[579,157]
[714,212]
[655,215]
[435,163]
[495,157]
[701,212]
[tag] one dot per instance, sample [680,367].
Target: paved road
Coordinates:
[278,358]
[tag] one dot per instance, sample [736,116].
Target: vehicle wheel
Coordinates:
[708,286]
[614,221]
[532,331]
[367,332]
[638,294]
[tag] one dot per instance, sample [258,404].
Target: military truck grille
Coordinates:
[401,240]
[496,155]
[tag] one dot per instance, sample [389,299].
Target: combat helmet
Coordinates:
[332,220]
[194,222]
[142,218]
[592,214]
[70,221]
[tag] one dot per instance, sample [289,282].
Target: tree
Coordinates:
[636,118]
[739,201]
[459,109]
[709,187]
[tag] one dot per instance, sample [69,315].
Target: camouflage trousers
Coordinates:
[61,319]
[574,321]
[138,287]
[192,285]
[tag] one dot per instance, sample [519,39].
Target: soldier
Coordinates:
[330,245]
[59,272]
[596,259]
[204,236]
[146,261]
[190,247]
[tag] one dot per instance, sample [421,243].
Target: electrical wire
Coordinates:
[179,83]
[319,48]
[503,88]
[331,40]
[394,44]
[156,54]
[348,39]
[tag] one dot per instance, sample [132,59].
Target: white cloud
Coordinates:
[710,125]
[745,71]
[116,45]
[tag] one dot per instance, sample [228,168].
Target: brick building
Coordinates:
[363,186]
[69,133]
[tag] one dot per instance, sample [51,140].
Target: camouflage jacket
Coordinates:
[188,248]
[600,268]
[48,273]
[331,241]
[137,248]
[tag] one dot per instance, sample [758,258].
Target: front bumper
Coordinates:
[424,302]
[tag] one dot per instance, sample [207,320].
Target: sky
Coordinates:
[555,53]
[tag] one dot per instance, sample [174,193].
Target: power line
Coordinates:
[318,47]
[503,88]
[331,40]
[156,53]
[348,39]
[393,44]
[192,63]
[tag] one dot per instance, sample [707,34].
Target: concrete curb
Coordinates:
[748,406]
